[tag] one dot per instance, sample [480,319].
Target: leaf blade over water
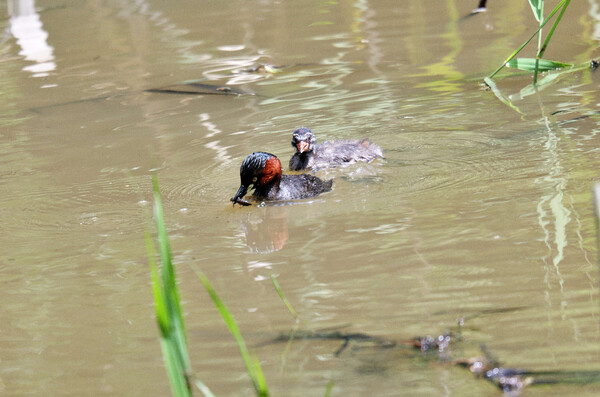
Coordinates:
[529,64]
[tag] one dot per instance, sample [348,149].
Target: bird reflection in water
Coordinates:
[265,229]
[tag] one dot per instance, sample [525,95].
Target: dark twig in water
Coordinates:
[346,337]
[199,89]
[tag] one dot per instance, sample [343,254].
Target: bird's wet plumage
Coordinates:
[310,154]
[262,172]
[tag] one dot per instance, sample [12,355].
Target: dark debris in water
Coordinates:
[264,68]
[199,89]
[511,381]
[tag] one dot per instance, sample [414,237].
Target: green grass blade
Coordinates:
[175,370]
[542,49]
[495,72]
[168,308]
[170,291]
[533,89]
[538,11]
[260,377]
[543,65]
[514,54]
[565,4]
[257,377]
[161,309]
[537,6]
[490,83]
[203,388]
[329,388]
[283,298]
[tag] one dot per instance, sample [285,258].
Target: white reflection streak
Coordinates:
[560,214]
[584,250]
[26,27]
[222,155]
[595,15]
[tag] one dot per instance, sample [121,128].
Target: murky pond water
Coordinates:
[479,211]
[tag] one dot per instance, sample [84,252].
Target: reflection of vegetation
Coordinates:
[596,196]
[283,298]
[537,64]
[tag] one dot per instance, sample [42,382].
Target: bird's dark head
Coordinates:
[258,171]
[303,140]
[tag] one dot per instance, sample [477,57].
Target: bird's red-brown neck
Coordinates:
[271,172]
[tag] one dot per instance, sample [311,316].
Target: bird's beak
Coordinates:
[302,146]
[240,193]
